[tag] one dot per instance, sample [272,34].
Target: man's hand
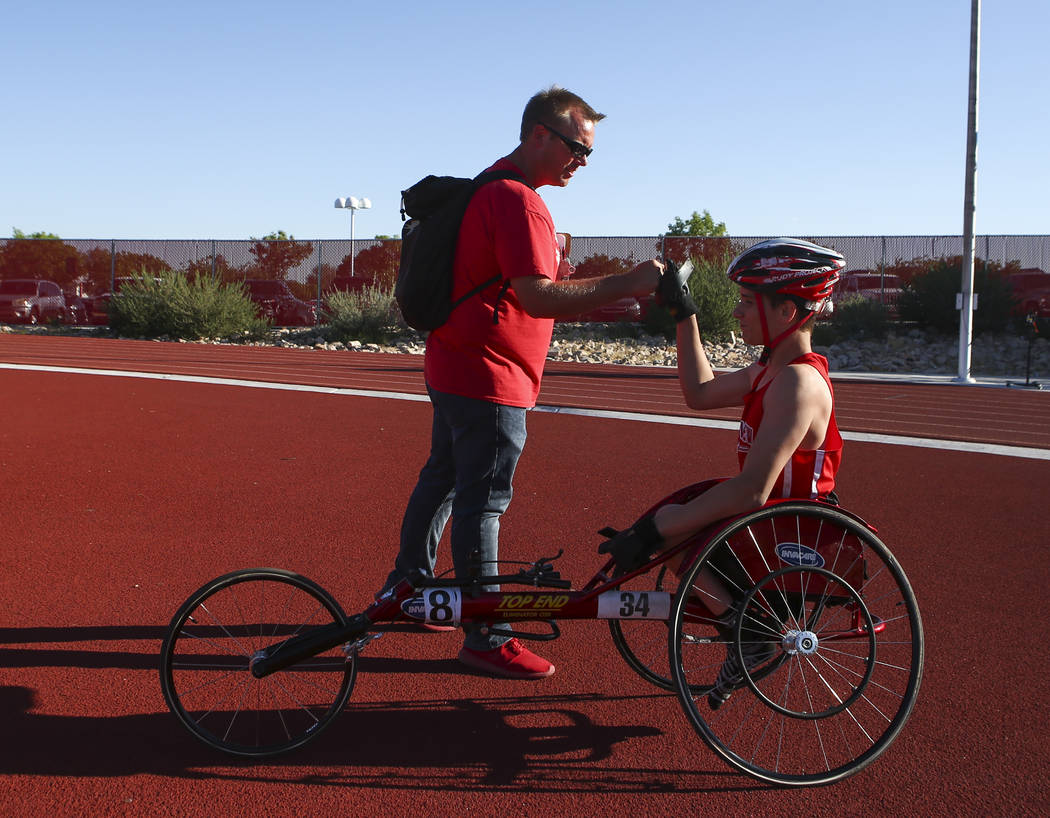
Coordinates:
[645,277]
[565,270]
[674,294]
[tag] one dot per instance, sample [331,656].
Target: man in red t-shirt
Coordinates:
[788,444]
[483,366]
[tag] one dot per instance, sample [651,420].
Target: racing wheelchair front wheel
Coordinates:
[822,647]
[205,663]
[643,642]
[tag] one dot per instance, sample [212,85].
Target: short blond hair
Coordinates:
[555,103]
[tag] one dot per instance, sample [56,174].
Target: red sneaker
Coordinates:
[511,659]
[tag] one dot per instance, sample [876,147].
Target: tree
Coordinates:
[96,266]
[39,255]
[277,254]
[133,264]
[698,238]
[18,234]
[203,268]
[600,265]
[327,272]
[379,263]
[906,270]
[697,225]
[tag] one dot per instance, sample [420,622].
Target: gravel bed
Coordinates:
[911,352]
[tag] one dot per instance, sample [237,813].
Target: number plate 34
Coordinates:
[634,605]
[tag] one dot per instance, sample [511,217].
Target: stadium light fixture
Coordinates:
[353,204]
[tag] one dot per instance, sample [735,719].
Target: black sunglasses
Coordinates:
[577,149]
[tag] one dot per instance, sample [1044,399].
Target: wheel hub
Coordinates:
[804,642]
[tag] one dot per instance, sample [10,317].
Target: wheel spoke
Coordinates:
[848,659]
[206,663]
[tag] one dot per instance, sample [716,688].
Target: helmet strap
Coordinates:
[767,350]
[767,347]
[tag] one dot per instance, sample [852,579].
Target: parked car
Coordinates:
[882,287]
[77,308]
[97,306]
[31,301]
[1031,288]
[277,304]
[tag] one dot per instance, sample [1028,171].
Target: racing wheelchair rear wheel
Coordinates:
[823,645]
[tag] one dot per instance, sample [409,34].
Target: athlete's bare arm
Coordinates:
[794,407]
[700,387]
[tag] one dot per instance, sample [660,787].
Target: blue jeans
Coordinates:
[474,449]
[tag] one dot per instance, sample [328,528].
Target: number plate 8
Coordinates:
[443,606]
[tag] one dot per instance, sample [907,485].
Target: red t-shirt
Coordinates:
[507,231]
[810,473]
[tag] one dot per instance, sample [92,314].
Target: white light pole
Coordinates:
[353,204]
[967,299]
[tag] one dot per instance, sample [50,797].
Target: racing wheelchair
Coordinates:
[260,661]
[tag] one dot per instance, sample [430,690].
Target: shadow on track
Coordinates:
[514,744]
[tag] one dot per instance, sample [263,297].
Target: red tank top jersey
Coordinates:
[506,231]
[810,473]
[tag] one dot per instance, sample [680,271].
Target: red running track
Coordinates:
[947,412]
[123,495]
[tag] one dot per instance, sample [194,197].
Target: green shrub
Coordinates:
[368,315]
[855,317]
[824,334]
[658,321]
[715,296]
[171,304]
[929,298]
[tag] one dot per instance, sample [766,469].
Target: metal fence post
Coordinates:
[317,311]
[882,273]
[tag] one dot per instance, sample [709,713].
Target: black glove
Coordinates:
[632,548]
[673,293]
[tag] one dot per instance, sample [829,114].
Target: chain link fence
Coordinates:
[89,269]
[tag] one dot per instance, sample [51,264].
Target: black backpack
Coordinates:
[435,207]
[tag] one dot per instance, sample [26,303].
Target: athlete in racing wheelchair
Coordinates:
[788,443]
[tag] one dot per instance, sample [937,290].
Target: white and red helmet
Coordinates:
[804,272]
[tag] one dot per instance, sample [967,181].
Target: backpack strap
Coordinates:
[487,176]
[476,290]
[481,179]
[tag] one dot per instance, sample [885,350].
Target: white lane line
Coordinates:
[673,420]
[862,437]
[165,376]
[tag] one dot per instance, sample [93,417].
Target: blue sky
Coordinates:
[234,119]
